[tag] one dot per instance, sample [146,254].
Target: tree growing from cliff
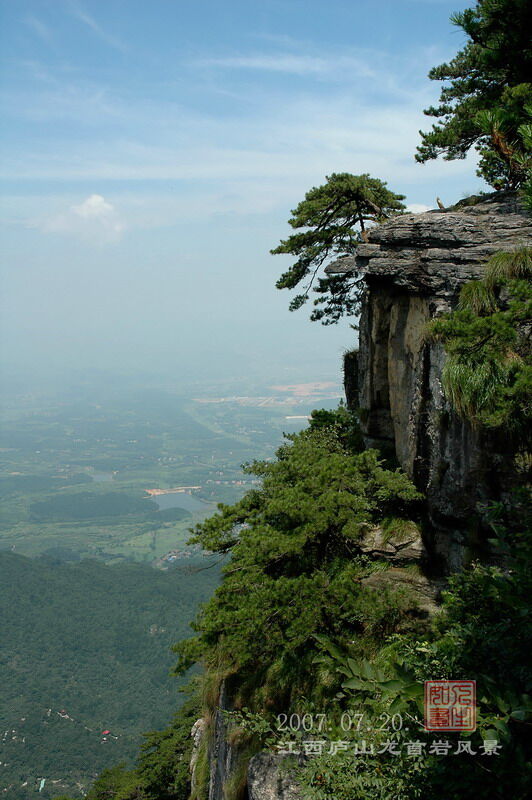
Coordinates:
[331,221]
[296,567]
[484,102]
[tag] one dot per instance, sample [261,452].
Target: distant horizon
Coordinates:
[92,384]
[153,155]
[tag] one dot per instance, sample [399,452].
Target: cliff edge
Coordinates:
[413,267]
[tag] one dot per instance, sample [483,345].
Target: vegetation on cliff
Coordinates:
[488,373]
[305,623]
[483,631]
[296,572]
[297,569]
[333,218]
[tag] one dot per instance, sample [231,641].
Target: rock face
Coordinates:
[222,756]
[269,778]
[414,266]
[403,546]
[425,591]
[197,733]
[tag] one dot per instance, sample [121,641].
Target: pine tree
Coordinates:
[487,91]
[334,217]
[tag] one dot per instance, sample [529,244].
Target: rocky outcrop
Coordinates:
[397,546]
[271,777]
[424,591]
[414,266]
[198,735]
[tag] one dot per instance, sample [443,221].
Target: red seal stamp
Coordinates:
[450,705]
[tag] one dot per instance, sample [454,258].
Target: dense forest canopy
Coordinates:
[86,648]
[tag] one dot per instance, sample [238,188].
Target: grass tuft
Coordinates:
[477,296]
[398,529]
[516,264]
[473,388]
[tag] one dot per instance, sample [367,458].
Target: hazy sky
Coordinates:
[152,152]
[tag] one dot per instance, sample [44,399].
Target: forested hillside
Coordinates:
[86,649]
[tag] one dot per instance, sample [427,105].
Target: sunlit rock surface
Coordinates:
[414,266]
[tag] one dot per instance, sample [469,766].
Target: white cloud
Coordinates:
[80,14]
[94,219]
[293,64]
[39,28]
[271,144]
[305,139]
[418,208]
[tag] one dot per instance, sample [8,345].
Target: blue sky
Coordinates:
[152,153]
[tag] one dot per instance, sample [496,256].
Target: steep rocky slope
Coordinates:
[413,268]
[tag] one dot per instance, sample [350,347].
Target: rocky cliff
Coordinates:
[413,268]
